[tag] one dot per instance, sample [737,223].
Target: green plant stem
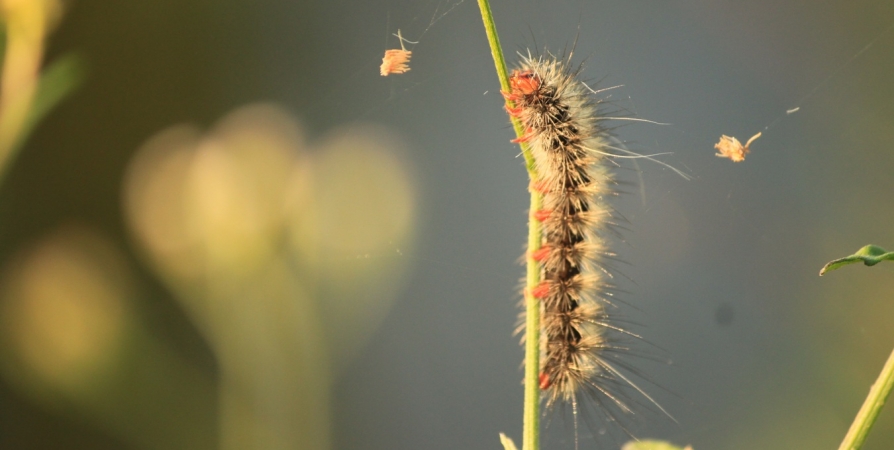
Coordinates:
[496,51]
[531,422]
[871,408]
[531,430]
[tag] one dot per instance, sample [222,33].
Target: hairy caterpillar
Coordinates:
[579,341]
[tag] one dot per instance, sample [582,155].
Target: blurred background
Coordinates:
[233,233]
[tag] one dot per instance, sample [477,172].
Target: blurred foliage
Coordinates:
[281,262]
[26,95]
[74,341]
[250,229]
[59,80]
[246,226]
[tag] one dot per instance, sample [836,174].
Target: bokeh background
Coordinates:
[235,234]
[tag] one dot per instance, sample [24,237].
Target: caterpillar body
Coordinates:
[579,342]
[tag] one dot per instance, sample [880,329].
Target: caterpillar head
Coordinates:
[524,82]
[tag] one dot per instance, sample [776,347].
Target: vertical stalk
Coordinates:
[531,422]
[496,51]
[871,408]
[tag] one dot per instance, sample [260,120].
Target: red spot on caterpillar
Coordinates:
[540,186]
[512,97]
[544,381]
[542,290]
[529,133]
[514,112]
[541,254]
[542,215]
[524,81]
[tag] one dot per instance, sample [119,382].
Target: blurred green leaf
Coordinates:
[869,255]
[58,80]
[652,445]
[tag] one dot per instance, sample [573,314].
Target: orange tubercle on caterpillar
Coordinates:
[529,134]
[545,382]
[514,112]
[540,186]
[541,254]
[510,96]
[521,84]
[542,215]
[524,82]
[541,290]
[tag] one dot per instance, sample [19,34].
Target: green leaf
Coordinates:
[56,82]
[869,255]
[652,445]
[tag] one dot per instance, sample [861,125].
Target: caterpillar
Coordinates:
[579,339]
